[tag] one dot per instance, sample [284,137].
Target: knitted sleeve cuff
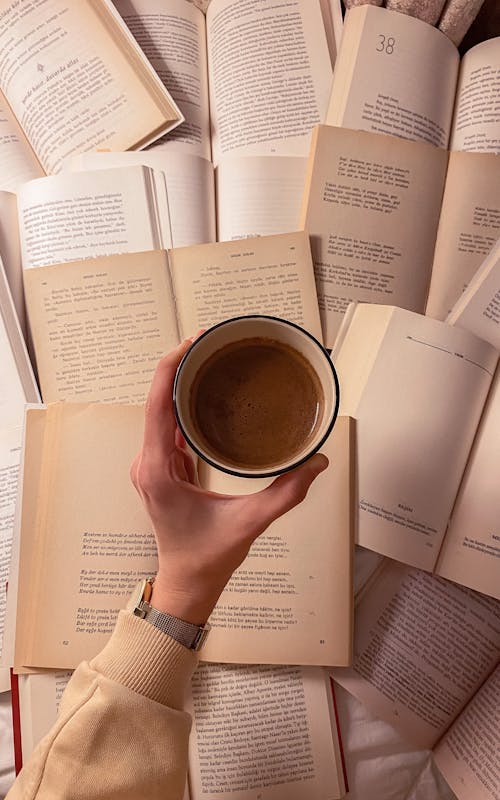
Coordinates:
[146,660]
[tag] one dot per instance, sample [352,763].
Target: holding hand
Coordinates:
[202,537]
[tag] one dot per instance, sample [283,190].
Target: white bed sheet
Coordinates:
[380,764]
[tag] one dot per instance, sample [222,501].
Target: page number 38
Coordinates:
[386,44]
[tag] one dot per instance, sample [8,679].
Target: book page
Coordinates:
[467,756]
[25,464]
[25,515]
[478,309]
[477,116]
[422,648]
[291,600]
[263,275]
[39,698]
[286,695]
[16,378]
[100,326]
[367,565]
[19,382]
[417,388]
[269,75]
[10,455]
[10,253]
[334,23]
[17,159]
[469,226]
[5,683]
[97,555]
[471,550]
[189,183]
[371,206]
[268,730]
[75,81]
[90,214]
[172,36]
[394,74]
[259,196]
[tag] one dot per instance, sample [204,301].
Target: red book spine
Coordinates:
[16,723]
[344,770]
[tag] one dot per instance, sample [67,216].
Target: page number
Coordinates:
[386,44]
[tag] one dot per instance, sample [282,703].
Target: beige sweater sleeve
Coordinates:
[121,732]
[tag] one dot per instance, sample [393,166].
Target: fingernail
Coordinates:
[197,335]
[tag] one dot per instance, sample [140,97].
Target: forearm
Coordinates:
[121,731]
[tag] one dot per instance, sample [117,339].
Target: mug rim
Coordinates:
[279,470]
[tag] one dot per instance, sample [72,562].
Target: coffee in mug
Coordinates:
[256,395]
[255,402]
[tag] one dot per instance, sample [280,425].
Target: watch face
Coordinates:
[201,637]
[140,605]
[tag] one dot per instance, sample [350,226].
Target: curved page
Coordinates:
[394,74]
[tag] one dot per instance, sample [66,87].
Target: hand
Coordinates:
[202,537]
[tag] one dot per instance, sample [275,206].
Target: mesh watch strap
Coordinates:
[191,636]
[186,633]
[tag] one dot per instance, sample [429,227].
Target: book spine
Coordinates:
[308,178]
[16,722]
[339,735]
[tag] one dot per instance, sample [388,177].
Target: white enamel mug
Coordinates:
[237,329]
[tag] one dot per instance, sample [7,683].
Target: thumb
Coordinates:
[286,491]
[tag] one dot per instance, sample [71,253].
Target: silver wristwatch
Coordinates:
[191,636]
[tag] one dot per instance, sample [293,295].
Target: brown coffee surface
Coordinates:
[256,402]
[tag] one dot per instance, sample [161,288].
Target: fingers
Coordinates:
[159,423]
[183,467]
[286,492]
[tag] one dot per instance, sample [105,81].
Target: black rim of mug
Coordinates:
[280,470]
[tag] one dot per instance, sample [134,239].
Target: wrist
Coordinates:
[187,633]
[187,605]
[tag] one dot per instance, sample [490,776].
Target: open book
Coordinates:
[426,398]
[288,709]
[101,212]
[127,317]
[469,226]
[252,79]
[427,661]
[64,217]
[384,215]
[17,387]
[72,78]
[131,309]
[400,76]
[83,529]
[478,309]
